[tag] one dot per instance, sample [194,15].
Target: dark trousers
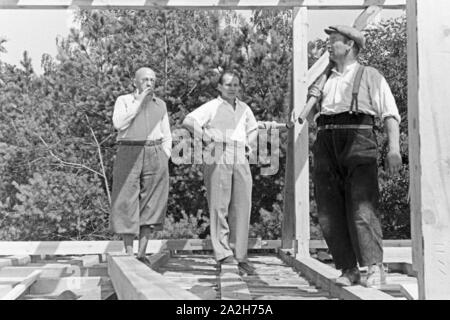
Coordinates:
[346,191]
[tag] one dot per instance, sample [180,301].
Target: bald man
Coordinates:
[141,175]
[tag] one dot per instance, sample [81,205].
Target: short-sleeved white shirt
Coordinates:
[374,97]
[223,122]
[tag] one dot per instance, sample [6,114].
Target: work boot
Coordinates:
[375,276]
[246,267]
[349,277]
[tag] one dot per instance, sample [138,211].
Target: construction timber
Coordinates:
[427,257]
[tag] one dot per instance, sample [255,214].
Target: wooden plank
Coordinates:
[428,78]
[231,284]
[397,255]
[5,288]
[410,290]
[101,247]
[21,287]
[295,224]
[198,4]
[324,277]
[15,260]
[321,244]
[158,260]
[50,270]
[89,260]
[133,280]
[56,286]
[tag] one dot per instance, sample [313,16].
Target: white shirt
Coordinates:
[374,98]
[150,123]
[223,122]
[226,124]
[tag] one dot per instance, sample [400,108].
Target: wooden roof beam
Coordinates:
[199,4]
[133,280]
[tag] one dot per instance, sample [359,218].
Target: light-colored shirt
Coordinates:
[374,98]
[223,122]
[150,122]
[226,125]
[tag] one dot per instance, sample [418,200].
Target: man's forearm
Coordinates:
[253,139]
[193,127]
[392,129]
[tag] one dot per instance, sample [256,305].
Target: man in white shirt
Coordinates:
[345,158]
[141,175]
[231,126]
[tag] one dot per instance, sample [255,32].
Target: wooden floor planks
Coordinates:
[193,276]
[274,280]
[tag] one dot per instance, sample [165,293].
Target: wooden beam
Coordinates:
[231,284]
[15,260]
[295,224]
[55,270]
[321,244]
[21,287]
[71,288]
[198,4]
[159,259]
[102,247]
[133,280]
[429,130]
[324,277]
[410,291]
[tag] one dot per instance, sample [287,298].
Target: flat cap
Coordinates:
[350,33]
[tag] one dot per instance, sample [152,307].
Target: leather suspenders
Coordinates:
[356,85]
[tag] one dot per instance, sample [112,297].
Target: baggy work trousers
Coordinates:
[229,195]
[346,192]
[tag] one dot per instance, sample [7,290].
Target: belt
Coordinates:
[344,126]
[139,142]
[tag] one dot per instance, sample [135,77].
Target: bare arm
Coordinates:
[393,158]
[167,135]
[252,141]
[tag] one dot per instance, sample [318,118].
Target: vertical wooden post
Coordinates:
[429,132]
[295,226]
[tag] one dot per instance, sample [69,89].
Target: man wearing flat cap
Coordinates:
[345,158]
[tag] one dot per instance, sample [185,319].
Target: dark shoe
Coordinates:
[349,277]
[247,268]
[228,260]
[145,261]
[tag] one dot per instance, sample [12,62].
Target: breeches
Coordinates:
[140,189]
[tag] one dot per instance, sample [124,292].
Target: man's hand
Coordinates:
[292,120]
[315,92]
[141,97]
[393,162]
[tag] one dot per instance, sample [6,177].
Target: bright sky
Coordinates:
[36,30]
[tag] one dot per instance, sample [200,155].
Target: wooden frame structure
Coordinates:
[428,73]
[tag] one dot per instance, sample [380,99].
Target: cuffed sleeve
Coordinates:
[383,99]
